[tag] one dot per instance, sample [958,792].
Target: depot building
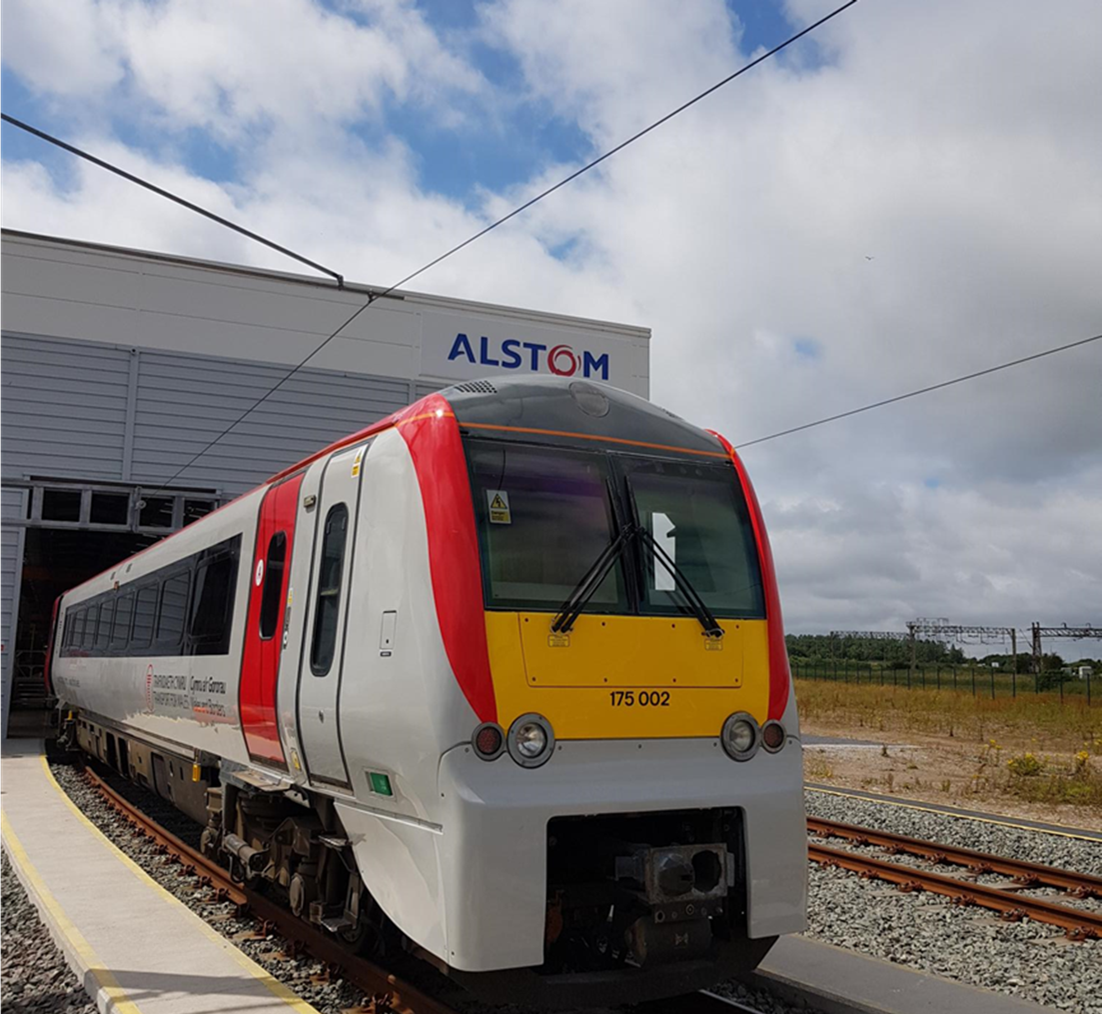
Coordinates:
[119,366]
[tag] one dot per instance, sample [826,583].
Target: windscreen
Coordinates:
[544,517]
[697,514]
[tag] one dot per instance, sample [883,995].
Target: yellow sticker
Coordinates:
[498,500]
[356,462]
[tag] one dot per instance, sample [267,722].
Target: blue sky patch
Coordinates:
[807,348]
[492,145]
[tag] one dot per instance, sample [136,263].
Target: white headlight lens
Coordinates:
[531,740]
[741,738]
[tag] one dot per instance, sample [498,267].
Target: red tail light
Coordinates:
[489,741]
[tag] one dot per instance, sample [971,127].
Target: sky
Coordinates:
[912,193]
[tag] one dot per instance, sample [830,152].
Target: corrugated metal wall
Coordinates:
[82,410]
[12,506]
[64,407]
[184,402]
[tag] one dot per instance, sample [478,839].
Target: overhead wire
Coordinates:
[921,390]
[373,297]
[168,195]
[436,260]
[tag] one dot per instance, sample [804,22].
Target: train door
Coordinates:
[326,618]
[264,633]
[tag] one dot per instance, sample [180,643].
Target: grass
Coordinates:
[1033,748]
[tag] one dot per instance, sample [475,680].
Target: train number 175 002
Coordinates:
[644,698]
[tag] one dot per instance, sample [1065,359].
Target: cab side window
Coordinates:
[327,606]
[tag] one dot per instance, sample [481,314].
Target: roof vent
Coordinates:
[477,387]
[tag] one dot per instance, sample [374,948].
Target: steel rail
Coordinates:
[192,861]
[1025,874]
[1078,924]
[386,990]
[703,1001]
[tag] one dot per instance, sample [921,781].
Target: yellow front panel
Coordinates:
[638,651]
[616,677]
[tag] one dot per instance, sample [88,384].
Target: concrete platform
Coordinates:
[840,981]
[136,948]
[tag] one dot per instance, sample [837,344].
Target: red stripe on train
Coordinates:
[432,435]
[780,678]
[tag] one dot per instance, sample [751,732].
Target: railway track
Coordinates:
[387,991]
[1077,923]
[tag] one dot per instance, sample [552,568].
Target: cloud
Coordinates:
[232,68]
[737,231]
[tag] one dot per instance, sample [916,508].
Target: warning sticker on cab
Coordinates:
[498,501]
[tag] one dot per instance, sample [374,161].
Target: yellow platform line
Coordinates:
[914,805]
[274,986]
[120,1003]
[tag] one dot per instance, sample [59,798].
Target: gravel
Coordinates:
[760,1000]
[1076,854]
[924,931]
[301,974]
[33,974]
[1027,960]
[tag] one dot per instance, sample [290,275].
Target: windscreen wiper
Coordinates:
[692,597]
[591,580]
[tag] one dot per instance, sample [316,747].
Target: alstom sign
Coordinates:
[530,357]
[469,346]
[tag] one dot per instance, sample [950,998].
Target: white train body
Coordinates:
[354,665]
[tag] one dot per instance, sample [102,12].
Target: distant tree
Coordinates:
[1006,662]
[1051,662]
[822,647]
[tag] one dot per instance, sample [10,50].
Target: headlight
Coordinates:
[530,741]
[740,736]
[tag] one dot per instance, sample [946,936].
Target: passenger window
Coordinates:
[67,633]
[170,619]
[120,629]
[89,638]
[103,631]
[329,590]
[145,610]
[273,585]
[78,629]
[211,604]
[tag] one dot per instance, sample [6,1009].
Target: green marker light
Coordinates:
[380,783]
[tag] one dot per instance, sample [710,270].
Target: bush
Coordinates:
[1025,766]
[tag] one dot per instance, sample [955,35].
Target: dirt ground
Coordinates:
[923,756]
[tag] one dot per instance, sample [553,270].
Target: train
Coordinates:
[499,681]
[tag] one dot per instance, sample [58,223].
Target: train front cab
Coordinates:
[656,842]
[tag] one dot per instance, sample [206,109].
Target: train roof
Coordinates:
[556,407]
[546,410]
